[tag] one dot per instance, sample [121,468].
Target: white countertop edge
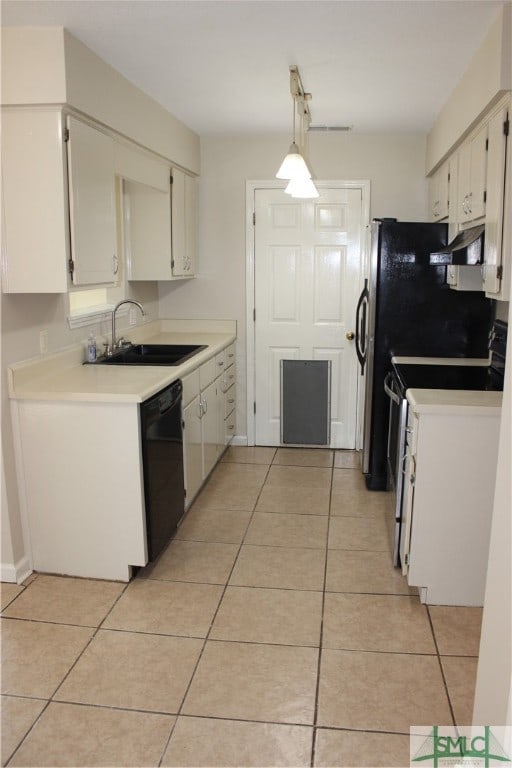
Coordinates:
[455,401]
[62,376]
[409,360]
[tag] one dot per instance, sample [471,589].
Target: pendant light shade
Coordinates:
[303,188]
[293,166]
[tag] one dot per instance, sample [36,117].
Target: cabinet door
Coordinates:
[184,223]
[438,193]
[472,170]
[35,235]
[92,204]
[495,206]
[192,450]
[210,425]
[147,220]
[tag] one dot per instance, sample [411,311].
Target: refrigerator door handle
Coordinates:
[361,329]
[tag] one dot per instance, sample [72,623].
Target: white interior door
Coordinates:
[308,263]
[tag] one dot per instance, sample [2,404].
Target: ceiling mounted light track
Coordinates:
[294,167]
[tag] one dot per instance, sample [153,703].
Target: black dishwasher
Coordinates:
[162,461]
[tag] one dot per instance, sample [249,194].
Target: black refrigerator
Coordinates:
[406,308]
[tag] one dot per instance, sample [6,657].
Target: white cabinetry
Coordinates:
[184,223]
[439,193]
[192,437]
[92,207]
[228,388]
[498,240]
[209,402]
[449,490]
[84,517]
[471,177]
[160,215]
[35,239]
[52,222]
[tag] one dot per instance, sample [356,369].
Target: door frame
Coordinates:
[250,283]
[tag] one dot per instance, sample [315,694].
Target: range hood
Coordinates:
[466,248]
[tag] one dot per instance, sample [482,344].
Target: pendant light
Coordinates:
[304,188]
[294,167]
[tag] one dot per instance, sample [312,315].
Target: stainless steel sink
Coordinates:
[152,354]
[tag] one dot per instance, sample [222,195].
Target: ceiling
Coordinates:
[221,66]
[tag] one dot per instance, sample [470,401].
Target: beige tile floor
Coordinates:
[273,631]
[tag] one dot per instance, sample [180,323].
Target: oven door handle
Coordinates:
[389,390]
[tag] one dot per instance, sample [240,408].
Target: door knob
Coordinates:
[350,336]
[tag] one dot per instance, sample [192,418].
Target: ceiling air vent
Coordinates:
[319,128]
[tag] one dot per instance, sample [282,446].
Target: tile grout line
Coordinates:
[445,684]
[51,699]
[206,638]
[319,663]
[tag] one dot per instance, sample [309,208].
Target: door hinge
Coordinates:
[254,218]
[172,263]
[254,406]
[506,126]
[499,272]
[485,196]
[65,134]
[406,558]
[71,267]
[171,180]
[486,145]
[254,315]
[183,424]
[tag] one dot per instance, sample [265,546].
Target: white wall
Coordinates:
[394,164]
[488,76]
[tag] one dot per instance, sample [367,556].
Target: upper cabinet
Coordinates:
[184,223]
[159,220]
[35,242]
[478,178]
[498,239]
[472,176]
[439,197]
[92,207]
[58,204]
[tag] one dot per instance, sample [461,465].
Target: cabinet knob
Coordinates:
[350,336]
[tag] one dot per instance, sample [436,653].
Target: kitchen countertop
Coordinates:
[63,377]
[454,401]
[450,400]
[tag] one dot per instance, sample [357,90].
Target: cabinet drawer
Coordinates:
[190,387]
[230,355]
[229,378]
[230,426]
[207,373]
[220,363]
[229,401]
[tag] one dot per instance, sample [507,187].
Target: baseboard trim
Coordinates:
[15,573]
[239,440]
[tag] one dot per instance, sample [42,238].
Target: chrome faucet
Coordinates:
[116,344]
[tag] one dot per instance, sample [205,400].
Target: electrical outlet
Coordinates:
[43,342]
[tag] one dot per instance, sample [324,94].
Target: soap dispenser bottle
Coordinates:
[91,348]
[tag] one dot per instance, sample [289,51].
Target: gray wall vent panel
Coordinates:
[305,402]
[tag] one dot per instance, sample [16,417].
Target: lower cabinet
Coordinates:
[209,409]
[449,490]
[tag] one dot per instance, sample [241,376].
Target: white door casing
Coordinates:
[307,264]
